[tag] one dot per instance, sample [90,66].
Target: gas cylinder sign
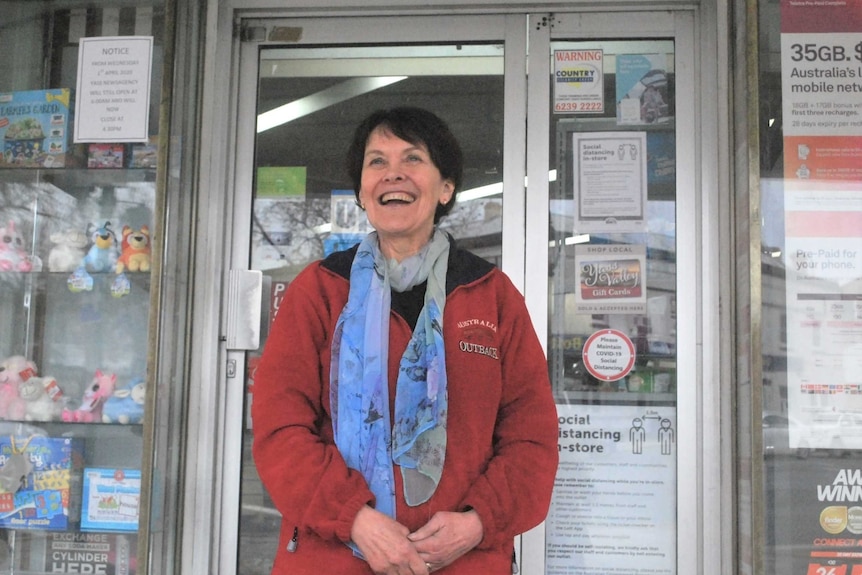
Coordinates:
[609,355]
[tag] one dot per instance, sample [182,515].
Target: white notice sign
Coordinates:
[113,92]
[609,180]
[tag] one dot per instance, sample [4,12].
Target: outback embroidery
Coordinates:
[478,336]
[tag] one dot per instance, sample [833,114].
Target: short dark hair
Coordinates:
[417,126]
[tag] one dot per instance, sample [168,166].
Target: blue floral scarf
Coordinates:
[359,389]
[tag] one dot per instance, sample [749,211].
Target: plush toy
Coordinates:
[135,250]
[127,403]
[69,250]
[42,398]
[15,467]
[13,256]
[99,390]
[14,371]
[102,256]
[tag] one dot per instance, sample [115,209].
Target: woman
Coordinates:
[403,417]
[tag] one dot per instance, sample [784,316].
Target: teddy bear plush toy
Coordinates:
[14,371]
[13,255]
[69,249]
[135,250]
[102,255]
[42,399]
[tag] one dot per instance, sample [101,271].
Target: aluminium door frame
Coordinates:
[210,488]
[212,471]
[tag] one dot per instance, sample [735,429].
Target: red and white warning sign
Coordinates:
[609,355]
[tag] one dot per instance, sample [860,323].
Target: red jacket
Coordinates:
[501,457]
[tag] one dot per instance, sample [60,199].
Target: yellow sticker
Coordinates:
[833,519]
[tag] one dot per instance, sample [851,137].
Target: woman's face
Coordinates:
[400,190]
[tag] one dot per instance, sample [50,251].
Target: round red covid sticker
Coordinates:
[609,355]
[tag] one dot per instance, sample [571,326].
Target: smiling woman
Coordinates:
[437,445]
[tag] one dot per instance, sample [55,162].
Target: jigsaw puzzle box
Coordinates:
[39,479]
[35,127]
[110,499]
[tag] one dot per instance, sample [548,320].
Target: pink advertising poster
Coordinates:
[821,72]
[821,86]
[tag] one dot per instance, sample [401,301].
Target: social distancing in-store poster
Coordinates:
[614,505]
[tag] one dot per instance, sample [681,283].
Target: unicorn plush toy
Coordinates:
[95,396]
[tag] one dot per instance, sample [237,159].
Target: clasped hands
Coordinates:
[391,549]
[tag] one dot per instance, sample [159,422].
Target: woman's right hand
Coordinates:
[383,541]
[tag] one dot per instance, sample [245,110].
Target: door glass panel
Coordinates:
[612,299]
[309,102]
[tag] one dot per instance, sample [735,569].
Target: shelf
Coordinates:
[78,177]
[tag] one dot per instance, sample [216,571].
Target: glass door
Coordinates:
[612,205]
[603,133]
[306,100]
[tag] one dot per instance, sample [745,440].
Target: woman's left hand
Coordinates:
[447,536]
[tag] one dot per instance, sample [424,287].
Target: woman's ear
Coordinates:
[448,192]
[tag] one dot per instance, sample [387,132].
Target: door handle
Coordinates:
[245,292]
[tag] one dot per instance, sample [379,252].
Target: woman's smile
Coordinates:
[397,197]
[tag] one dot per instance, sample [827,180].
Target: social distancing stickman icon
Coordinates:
[665,436]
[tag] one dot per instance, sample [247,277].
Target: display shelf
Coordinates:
[62,330]
[74,351]
[78,177]
[11,280]
[101,444]
[74,340]
[576,397]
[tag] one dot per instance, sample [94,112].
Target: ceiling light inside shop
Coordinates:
[493,189]
[480,192]
[325,98]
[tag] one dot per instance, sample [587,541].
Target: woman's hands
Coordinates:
[447,536]
[384,543]
[390,549]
